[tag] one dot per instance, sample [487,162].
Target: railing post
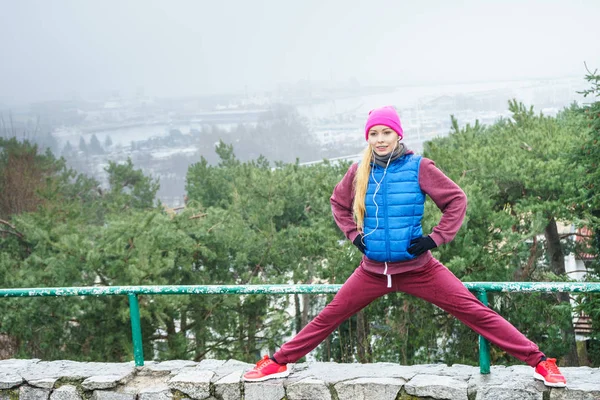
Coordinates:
[484,345]
[136,330]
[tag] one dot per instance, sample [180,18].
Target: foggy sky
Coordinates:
[63,49]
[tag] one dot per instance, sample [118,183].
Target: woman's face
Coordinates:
[382,139]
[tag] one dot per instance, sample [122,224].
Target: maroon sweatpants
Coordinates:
[434,283]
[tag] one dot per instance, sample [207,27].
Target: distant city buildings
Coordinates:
[164,136]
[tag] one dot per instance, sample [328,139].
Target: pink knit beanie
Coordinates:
[384,116]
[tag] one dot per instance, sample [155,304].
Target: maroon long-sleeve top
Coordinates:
[446,194]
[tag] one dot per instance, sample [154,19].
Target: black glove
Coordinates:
[420,245]
[358,242]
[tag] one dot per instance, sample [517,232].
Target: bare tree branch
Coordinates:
[14,230]
[198,215]
[566,235]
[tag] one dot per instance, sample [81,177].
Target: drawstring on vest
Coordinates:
[389,277]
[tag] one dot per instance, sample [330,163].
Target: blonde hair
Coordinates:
[361,180]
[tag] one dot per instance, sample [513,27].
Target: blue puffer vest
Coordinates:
[394,218]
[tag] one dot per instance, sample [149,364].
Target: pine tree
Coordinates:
[108,142]
[130,188]
[588,158]
[585,162]
[82,145]
[95,147]
[67,149]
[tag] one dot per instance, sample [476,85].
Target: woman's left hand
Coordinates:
[420,245]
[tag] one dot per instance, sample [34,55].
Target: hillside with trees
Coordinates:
[251,221]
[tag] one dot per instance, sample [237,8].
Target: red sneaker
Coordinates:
[548,372]
[266,369]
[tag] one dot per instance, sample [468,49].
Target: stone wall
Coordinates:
[215,379]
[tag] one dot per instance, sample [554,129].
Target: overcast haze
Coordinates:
[64,49]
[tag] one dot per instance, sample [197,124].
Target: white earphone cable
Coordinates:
[378,185]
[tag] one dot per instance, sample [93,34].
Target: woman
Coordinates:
[379,205]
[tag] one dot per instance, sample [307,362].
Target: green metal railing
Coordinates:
[479,288]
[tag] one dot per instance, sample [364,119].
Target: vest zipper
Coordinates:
[386,222]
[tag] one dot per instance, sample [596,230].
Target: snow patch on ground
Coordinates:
[170,152]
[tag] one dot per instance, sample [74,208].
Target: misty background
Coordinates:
[162,82]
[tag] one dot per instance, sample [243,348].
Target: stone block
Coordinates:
[30,393]
[65,392]
[9,380]
[268,390]
[165,367]
[101,382]
[192,382]
[155,393]
[45,383]
[369,388]
[507,383]
[73,370]
[437,386]
[109,395]
[583,383]
[308,389]
[230,386]
[499,393]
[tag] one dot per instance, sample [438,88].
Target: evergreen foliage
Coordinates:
[248,222]
[586,160]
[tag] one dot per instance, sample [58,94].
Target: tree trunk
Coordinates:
[523,272]
[255,323]
[297,313]
[556,257]
[171,334]
[8,346]
[554,248]
[362,338]
[305,309]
